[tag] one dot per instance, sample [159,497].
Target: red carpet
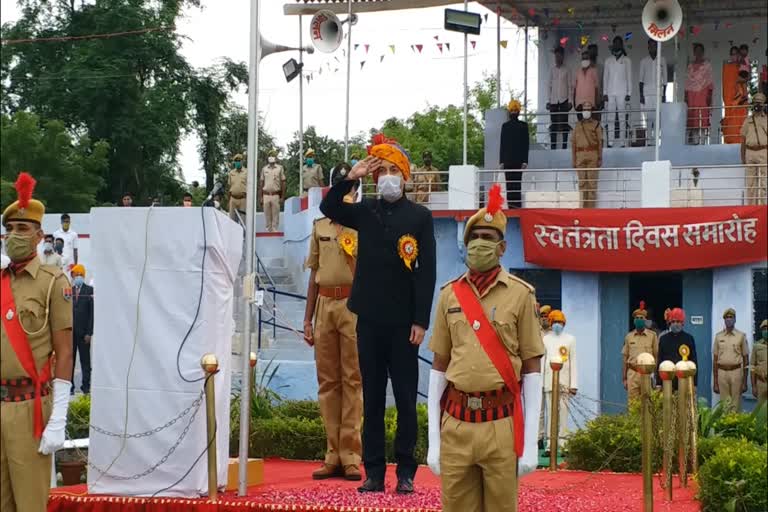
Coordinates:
[288,486]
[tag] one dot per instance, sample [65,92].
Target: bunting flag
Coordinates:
[580,25]
[381,59]
[357,45]
[571,11]
[532,12]
[584,40]
[437,38]
[336,59]
[604,37]
[343,53]
[366,48]
[628,36]
[413,49]
[440,47]
[392,48]
[563,41]
[695,30]
[717,25]
[555,22]
[503,43]
[486,17]
[362,63]
[546,12]
[473,43]
[419,47]
[448,46]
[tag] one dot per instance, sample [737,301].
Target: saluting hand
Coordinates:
[417,334]
[364,167]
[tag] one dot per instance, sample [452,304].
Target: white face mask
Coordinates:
[48,247]
[585,64]
[587,114]
[389,188]
[271,159]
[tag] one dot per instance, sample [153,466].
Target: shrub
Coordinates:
[709,445]
[290,438]
[607,443]
[298,409]
[733,478]
[390,429]
[79,417]
[751,426]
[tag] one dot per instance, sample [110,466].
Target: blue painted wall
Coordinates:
[614,311]
[697,301]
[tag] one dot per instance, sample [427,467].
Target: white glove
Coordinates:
[531,412]
[53,435]
[437,385]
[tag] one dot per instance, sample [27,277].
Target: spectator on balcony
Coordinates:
[559,104]
[617,90]
[745,65]
[186,200]
[48,256]
[587,150]
[514,153]
[733,55]
[127,200]
[649,85]
[698,96]
[70,238]
[754,150]
[586,84]
[426,179]
[598,103]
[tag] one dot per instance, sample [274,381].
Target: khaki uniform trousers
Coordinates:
[757,178]
[730,386]
[25,474]
[340,387]
[633,384]
[564,412]
[238,205]
[587,179]
[762,391]
[478,466]
[271,211]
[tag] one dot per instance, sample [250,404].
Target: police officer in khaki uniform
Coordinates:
[730,361]
[544,312]
[636,342]
[272,191]
[426,179]
[238,188]
[311,172]
[754,150]
[760,365]
[486,335]
[332,260]
[587,150]
[36,322]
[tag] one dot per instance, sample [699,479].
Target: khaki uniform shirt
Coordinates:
[238,183]
[755,131]
[588,142]
[311,176]
[425,180]
[730,347]
[272,178]
[759,358]
[332,264]
[510,305]
[30,294]
[635,343]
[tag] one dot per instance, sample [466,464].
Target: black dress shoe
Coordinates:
[371,485]
[404,486]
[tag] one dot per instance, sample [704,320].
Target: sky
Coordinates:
[405,81]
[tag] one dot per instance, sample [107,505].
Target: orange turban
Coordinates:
[78,270]
[556,316]
[389,150]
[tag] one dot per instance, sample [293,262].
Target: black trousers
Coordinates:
[84,349]
[514,183]
[385,351]
[559,124]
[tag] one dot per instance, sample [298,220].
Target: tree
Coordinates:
[328,153]
[68,172]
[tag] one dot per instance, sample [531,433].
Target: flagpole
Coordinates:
[466,58]
[525,71]
[498,55]
[301,105]
[349,72]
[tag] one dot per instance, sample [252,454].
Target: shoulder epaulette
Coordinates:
[528,285]
[452,281]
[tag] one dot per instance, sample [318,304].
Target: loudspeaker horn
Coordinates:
[326,32]
[268,48]
[662,19]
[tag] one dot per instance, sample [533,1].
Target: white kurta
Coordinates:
[555,346]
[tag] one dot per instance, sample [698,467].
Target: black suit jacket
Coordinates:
[82,311]
[384,291]
[514,144]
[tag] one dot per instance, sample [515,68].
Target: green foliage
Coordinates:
[299,409]
[79,417]
[740,425]
[709,417]
[609,442]
[328,153]
[68,171]
[733,478]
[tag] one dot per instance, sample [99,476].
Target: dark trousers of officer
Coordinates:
[79,346]
[385,351]
[559,124]
[514,183]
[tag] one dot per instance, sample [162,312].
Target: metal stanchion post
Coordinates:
[681,369]
[646,365]
[210,365]
[252,374]
[554,414]
[667,373]
[694,450]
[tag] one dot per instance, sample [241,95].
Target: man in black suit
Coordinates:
[82,326]
[514,153]
[392,296]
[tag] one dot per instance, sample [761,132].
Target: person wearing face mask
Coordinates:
[544,312]
[587,154]
[730,362]
[513,154]
[559,104]
[70,239]
[482,426]
[639,340]
[586,87]
[426,179]
[392,296]
[272,191]
[760,365]
[617,88]
[82,326]
[311,172]
[329,327]
[353,159]
[673,339]
[754,150]
[48,256]
[699,86]
[237,182]
[649,85]
[36,322]
[560,346]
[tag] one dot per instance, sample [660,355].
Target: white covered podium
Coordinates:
[149,263]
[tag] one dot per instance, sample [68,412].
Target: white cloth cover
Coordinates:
[437,385]
[167,300]
[532,411]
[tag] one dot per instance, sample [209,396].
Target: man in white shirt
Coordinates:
[70,239]
[649,86]
[48,256]
[559,92]
[560,347]
[617,88]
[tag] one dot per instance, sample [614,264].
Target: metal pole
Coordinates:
[656,127]
[525,71]
[668,438]
[498,55]
[349,71]
[694,449]
[210,365]
[682,427]
[301,106]
[253,151]
[554,415]
[647,431]
[466,91]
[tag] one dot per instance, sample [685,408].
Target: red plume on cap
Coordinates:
[25,185]
[642,304]
[494,199]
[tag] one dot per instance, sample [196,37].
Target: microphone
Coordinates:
[216,189]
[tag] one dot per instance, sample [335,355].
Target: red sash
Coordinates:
[20,344]
[494,348]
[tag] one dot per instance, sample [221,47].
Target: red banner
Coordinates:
[644,239]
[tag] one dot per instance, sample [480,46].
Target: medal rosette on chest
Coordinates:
[563,351]
[348,243]
[408,250]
